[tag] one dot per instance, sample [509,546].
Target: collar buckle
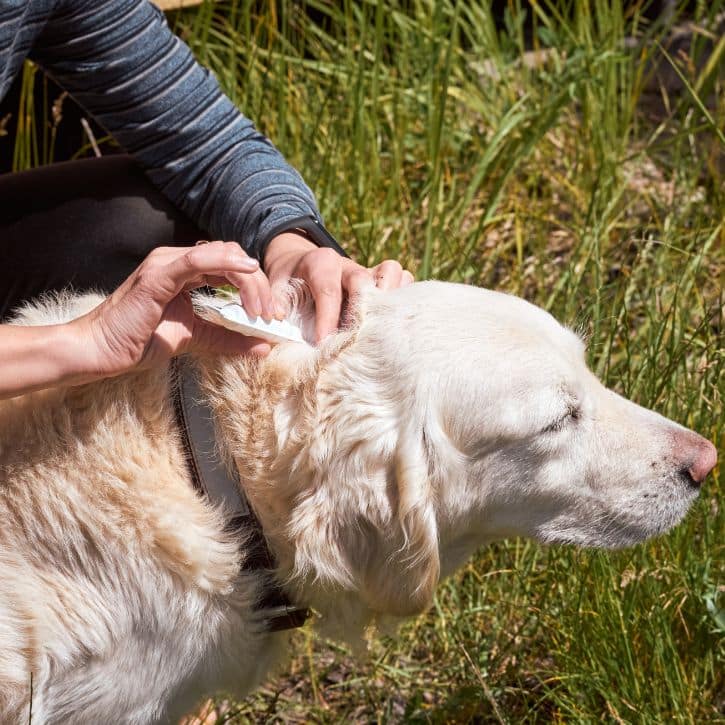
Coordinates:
[284,616]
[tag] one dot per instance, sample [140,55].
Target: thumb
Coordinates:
[212,339]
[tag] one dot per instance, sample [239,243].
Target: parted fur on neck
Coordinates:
[276,421]
[334,469]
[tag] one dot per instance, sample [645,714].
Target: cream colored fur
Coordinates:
[445,417]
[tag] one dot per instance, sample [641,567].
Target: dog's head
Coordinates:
[452,416]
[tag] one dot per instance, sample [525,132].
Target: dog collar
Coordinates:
[214,481]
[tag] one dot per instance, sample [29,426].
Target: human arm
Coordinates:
[121,62]
[37,357]
[147,320]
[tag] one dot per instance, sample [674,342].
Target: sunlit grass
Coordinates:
[432,134]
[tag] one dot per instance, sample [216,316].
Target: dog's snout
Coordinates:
[698,456]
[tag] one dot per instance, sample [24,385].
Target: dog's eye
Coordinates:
[573,413]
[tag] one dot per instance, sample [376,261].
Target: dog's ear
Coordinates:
[402,575]
[378,536]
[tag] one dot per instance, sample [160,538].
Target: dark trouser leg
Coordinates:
[84,224]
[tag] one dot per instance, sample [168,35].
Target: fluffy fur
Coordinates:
[442,418]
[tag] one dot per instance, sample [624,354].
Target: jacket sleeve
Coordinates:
[121,62]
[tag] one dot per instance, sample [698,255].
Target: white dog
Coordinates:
[443,418]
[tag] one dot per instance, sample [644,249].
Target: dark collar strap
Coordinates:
[213,480]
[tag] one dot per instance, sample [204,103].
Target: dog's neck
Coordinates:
[263,409]
[268,417]
[327,468]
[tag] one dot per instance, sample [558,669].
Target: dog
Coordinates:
[441,418]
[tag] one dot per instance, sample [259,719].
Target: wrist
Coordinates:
[284,246]
[69,351]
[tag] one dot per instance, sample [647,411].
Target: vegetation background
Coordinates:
[569,151]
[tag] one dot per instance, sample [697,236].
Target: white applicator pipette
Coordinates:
[234,317]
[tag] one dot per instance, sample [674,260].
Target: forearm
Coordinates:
[33,358]
[122,63]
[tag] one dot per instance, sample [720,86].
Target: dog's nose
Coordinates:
[704,461]
[697,454]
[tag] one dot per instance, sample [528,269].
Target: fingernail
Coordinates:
[248,263]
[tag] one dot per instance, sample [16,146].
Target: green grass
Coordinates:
[429,138]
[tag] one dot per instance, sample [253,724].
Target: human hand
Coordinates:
[330,277]
[150,317]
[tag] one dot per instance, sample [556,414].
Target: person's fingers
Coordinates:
[164,277]
[213,339]
[331,279]
[249,295]
[254,288]
[162,255]
[355,278]
[256,295]
[264,295]
[280,297]
[323,275]
[169,270]
[388,274]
